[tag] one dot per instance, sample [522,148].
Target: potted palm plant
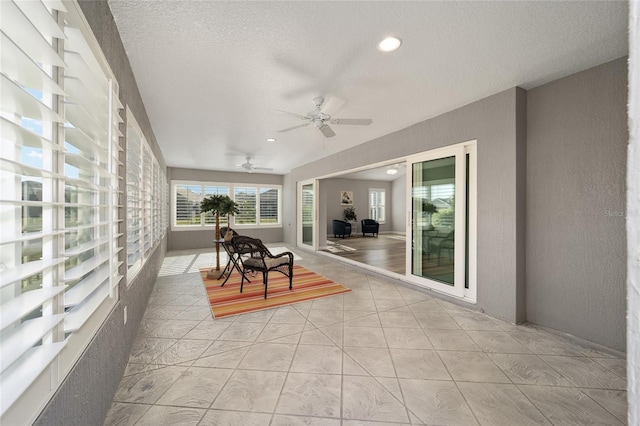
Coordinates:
[218,205]
[350,216]
[429,209]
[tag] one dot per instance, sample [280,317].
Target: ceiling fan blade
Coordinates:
[352,121]
[301,117]
[327,131]
[294,127]
[332,105]
[262,168]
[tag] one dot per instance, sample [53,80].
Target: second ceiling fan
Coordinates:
[320,117]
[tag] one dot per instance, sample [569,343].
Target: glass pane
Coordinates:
[307,214]
[433,201]
[268,206]
[188,199]
[246,199]
[209,218]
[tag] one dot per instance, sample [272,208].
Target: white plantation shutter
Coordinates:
[208,190]
[135,222]
[59,253]
[269,202]
[186,201]
[147,173]
[91,183]
[377,205]
[146,202]
[259,205]
[245,197]
[187,212]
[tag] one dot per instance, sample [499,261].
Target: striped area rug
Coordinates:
[228,300]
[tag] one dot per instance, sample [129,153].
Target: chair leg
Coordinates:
[241,283]
[266,280]
[290,277]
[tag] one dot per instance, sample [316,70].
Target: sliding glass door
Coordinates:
[307,213]
[441,220]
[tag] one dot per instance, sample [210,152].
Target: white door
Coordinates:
[441,220]
[307,194]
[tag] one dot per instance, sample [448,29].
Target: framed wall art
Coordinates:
[346,198]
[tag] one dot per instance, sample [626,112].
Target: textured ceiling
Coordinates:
[213,73]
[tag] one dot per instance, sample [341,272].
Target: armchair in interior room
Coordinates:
[259,259]
[369,226]
[341,228]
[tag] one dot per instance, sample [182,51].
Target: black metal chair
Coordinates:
[233,262]
[223,232]
[439,244]
[369,226]
[260,259]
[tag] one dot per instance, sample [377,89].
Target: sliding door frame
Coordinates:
[465,254]
[314,225]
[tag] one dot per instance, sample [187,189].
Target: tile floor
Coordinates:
[382,354]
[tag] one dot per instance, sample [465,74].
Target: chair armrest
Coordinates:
[285,253]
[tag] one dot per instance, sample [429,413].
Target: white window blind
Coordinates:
[146,205]
[59,253]
[147,173]
[259,205]
[269,206]
[209,190]
[134,196]
[377,210]
[187,204]
[247,204]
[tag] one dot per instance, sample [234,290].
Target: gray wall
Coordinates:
[398,205]
[330,188]
[85,395]
[185,240]
[493,123]
[576,241]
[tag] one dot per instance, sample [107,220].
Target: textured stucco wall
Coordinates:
[185,240]
[85,395]
[398,201]
[633,219]
[576,169]
[492,122]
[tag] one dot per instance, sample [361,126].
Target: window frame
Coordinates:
[79,177]
[383,206]
[232,188]
[147,203]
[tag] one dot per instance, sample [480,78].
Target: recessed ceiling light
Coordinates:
[392,171]
[389,44]
[271,140]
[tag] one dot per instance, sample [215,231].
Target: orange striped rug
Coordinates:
[228,300]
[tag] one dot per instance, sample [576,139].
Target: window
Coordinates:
[259,205]
[377,205]
[246,199]
[59,192]
[146,184]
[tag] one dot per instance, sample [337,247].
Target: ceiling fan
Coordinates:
[320,117]
[250,167]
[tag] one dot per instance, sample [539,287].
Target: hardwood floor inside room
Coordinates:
[386,251]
